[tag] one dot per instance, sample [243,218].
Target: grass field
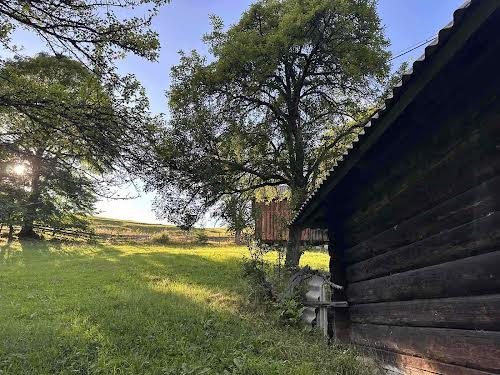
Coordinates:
[104,309]
[140,231]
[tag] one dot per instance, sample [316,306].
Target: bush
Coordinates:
[260,291]
[290,311]
[201,238]
[161,238]
[274,287]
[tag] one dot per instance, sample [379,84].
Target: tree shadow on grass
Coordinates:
[147,312]
[148,264]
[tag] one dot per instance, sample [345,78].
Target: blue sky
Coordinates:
[182,24]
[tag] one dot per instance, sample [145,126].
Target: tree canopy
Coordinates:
[71,132]
[95,34]
[89,30]
[278,100]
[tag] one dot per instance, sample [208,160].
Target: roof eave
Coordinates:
[437,54]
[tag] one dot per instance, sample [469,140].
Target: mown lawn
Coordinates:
[104,309]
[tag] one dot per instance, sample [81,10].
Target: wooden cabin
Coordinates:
[412,211]
[271,224]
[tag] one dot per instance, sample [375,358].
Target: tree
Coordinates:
[92,31]
[274,104]
[236,212]
[12,194]
[93,132]
[95,33]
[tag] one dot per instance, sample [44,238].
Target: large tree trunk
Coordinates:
[27,230]
[29,214]
[10,236]
[237,237]
[293,250]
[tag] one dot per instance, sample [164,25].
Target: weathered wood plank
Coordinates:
[476,237]
[466,207]
[404,189]
[417,194]
[410,365]
[469,276]
[475,312]
[461,79]
[476,349]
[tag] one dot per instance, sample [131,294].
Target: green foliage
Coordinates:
[59,100]
[93,31]
[12,194]
[267,282]
[161,238]
[58,190]
[259,288]
[236,212]
[276,102]
[290,311]
[71,133]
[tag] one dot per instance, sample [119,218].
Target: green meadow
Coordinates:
[146,309]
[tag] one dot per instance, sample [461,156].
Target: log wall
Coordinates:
[419,223]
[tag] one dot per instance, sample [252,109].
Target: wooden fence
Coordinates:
[115,237]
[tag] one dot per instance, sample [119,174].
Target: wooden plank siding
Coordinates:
[419,220]
[271,224]
[468,348]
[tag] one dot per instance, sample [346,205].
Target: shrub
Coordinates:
[161,238]
[274,287]
[201,238]
[260,291]
[290,311]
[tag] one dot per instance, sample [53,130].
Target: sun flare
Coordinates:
[19,169]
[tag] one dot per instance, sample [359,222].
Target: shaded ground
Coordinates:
[102,309]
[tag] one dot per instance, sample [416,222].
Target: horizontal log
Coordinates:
[461,209]
[464,277]
[476,237]
[476,312]
[336,304]
[476,349]
[420,183]
[429,133]
[410,365]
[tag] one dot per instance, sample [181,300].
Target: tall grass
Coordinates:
[130,231]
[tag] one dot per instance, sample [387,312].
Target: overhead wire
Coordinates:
[412,48]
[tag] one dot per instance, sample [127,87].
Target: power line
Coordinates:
[416,43]
[412,48]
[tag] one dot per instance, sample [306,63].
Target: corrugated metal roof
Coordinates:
[392,99]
